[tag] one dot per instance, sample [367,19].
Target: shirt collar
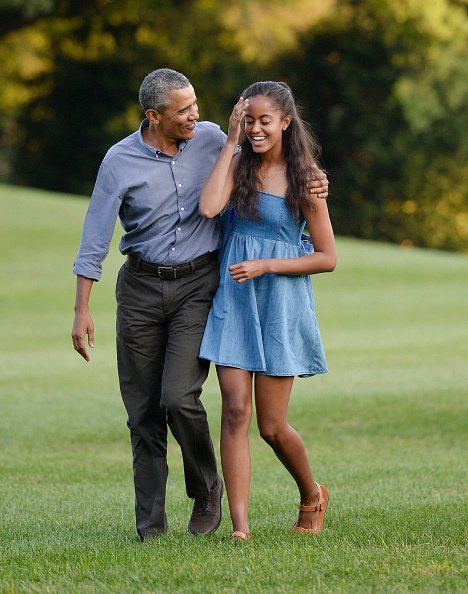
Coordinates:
[145,124]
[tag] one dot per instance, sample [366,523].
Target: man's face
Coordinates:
[178,120]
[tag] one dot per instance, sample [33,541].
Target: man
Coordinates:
[152,181]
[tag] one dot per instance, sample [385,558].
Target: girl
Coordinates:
[262,330]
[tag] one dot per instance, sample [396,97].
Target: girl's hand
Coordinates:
[247,270]
[236,118]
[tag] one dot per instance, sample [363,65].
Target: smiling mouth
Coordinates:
[258,138]
[191,126]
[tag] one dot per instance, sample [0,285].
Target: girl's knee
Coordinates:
[271,433]
[236,416]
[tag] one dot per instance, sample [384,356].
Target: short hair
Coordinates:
[156,86]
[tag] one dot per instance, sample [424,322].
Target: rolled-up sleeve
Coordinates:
[99,224]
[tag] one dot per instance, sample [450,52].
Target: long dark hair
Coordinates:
[300,150]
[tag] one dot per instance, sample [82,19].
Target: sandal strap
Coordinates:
[316,506]
[311,508]
[240,534]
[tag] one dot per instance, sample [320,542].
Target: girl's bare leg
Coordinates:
[272,399]
[236,391]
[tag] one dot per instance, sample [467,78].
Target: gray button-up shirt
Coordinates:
[156,198]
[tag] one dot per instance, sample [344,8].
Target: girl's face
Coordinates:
[264,124]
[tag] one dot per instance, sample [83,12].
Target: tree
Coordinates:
[385,85]
[82,95]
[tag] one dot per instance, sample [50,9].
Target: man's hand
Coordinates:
[82,325]
[318,183]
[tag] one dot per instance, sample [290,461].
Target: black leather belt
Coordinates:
[172,271]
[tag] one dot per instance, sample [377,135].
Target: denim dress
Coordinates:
[266,324]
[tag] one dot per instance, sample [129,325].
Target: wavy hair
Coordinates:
[299,152]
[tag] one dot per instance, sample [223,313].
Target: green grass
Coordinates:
[385,431]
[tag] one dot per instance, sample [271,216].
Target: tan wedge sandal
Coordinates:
[239,535]
[320,507]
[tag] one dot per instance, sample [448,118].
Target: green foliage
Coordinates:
[384,84]
[69,129]
[82,96]
[19,13]
[385,431]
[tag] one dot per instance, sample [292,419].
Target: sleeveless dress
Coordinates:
[266,324]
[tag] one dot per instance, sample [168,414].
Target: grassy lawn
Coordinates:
[385,430]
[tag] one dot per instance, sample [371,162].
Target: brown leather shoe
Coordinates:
[206,513]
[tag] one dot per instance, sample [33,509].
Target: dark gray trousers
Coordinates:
[160,324]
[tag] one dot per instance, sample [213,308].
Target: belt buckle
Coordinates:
[167,269]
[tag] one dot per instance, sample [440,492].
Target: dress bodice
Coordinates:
[276,221]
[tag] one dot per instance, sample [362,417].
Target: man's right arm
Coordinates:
[83,324]
[94,245]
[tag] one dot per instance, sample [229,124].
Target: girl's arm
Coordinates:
[322,260]
[217,189]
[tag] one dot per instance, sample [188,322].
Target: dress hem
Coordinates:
[308,373]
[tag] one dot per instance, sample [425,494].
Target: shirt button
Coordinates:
[182,208]
[173,249]
[173,162]
[180,185]
[179,228]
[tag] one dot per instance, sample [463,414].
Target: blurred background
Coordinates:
[383,84]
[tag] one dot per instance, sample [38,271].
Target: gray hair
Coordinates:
[156,86]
